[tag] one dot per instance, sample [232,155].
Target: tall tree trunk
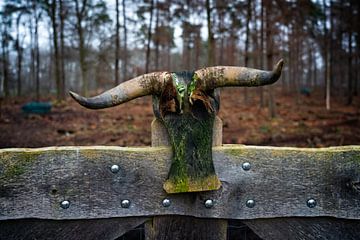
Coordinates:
[331,74]
[357,56]
[19,56]
[157,46]
[314,83]
[326,60]
[297,63]
[82,50]
[247,41]
[125,51]
[117,44]
[291,53]
[53,15]
[147,63]
[269,56]
[262,65]
[62,48]
[309,66]
[32,48]
[5,59]
[211,41]
[350,80]
[221,50]
[197,50]
[37,51]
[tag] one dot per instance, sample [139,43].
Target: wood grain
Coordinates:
[306,228]
[90,229]
[185,227]
[33,182]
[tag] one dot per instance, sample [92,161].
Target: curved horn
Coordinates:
[214,77]
[151,83]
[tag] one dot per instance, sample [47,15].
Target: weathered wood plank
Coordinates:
[33,182]
[23,229]
[305,228]
[184,227]
[189,228]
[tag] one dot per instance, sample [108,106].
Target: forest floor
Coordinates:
[300,121]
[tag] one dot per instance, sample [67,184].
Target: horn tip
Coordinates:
[78,98]
[74,95]
[279,65]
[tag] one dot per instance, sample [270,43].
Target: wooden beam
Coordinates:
[33,183]
[184,227]
[90,229]
[305,228]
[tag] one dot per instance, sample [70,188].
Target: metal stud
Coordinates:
[115,168]
[209,203]
[166,202]
[246,166]
[125,203]
[65,204]
[250,203]
[311,203]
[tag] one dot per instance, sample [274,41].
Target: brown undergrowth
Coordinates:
[301,121]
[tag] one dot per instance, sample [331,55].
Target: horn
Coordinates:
[147,84]
[224,76]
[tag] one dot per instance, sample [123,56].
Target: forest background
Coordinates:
[49,47]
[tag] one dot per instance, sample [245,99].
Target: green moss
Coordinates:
[236,152]
[15,164]
[190,135]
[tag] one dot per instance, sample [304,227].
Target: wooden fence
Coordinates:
[102,192]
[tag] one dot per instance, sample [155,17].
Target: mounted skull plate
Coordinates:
[186,103]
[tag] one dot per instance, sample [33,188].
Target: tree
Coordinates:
[269,53]
[326,60]
[6,20]
[117,43]
[246,62]
[88,15]
[149,36]
[21,10]
[62,14]
[51,9]
[211,40]
[125,48]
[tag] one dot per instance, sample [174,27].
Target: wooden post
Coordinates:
[184,227]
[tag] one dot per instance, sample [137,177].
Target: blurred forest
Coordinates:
[51,46]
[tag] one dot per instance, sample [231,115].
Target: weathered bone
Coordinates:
[225,76]
[208,79]
[147,84]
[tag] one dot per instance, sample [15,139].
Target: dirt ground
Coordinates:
[301,122]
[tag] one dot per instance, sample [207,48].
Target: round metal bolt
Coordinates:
[125,203]
[311,203]
[166,202]
[65,204]
[246,166]
[209,203]
[114,168]
[250,203]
